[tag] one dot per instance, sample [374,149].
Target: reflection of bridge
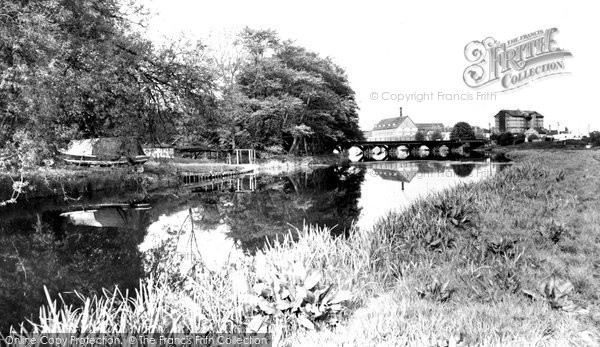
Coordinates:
[385,150]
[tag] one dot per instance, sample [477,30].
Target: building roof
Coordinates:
[519,113]
[389,123]
[430,126]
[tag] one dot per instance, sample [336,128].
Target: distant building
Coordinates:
[400,128]
[429,128]
[517,121]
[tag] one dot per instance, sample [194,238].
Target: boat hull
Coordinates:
[93,160]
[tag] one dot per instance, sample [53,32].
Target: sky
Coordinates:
[392,50]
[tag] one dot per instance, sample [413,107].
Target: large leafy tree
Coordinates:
[462,131]
[82,68]
[296,99]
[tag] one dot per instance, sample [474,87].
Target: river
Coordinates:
[112,239]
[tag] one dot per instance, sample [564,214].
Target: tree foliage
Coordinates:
[595,138]
[420,136]
[76,69]
[82,69]
[506,139]
[437,135]
[462,131]
[292,97]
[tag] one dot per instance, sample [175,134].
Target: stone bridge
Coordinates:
[400,150]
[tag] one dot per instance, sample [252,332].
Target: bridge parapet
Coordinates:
[401,150]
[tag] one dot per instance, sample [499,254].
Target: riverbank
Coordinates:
[506,261]
[72,182]
[460,267]
[550,146]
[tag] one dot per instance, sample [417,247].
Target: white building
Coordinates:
[400,128]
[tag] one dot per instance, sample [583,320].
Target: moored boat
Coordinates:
[105,152]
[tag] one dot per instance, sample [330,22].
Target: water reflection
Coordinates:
[96,245]
[65,254]
[391,186]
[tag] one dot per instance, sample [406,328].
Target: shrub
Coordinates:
[519,138]
[506,139]
[595,138]
[24,152]
[437,135]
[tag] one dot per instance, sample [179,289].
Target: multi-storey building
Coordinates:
[517,121]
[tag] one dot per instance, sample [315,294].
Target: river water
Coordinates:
[112,239]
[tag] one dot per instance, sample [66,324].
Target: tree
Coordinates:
[437,135]
[462,131]
[506,139]
[519,138]
[76,69]
[419,136]
[289,88]
[595,138]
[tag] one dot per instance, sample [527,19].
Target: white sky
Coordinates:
[417,47]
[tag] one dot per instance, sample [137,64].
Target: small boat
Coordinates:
[105,152]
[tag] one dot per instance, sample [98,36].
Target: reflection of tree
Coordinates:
[325,197]
[47,251]
[463,170]
[431,166]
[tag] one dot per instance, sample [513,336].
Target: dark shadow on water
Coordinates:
[49,251]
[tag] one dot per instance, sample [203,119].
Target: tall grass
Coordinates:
[461,266]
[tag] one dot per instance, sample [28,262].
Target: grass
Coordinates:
[507,261]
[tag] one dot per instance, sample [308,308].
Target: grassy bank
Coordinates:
[507,261]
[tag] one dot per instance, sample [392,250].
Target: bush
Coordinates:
[272,151]
[532,137]
[24,152]
[595,138]
[506,139]
[437,135]
[519,138]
